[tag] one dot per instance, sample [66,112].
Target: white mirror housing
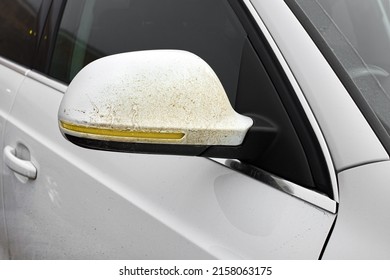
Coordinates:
[159,96]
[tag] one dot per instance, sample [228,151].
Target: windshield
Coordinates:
[354,35]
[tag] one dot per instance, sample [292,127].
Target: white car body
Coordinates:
[87,204]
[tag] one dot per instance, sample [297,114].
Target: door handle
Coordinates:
[20,166]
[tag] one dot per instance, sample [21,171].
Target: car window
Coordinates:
[354,36]
[19,29]
[93,29]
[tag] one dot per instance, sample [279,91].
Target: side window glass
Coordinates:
[93,29]
[18,29]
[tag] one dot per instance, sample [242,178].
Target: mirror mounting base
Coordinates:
[258,139]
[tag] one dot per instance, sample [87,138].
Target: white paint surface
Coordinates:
[362,229]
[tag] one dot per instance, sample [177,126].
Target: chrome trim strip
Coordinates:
[14,66]
[33,75]
[301,97]
[310,196]
[47,81]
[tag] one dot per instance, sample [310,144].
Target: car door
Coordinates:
[86,204]
[14,64]
[10,80]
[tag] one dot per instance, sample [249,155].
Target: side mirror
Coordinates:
[160,101]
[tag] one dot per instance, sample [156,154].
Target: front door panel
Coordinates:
[10,80]
[100,205]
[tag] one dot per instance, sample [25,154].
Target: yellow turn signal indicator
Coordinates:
[122,133]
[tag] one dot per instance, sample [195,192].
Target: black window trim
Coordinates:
[48,36]
[316,159]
